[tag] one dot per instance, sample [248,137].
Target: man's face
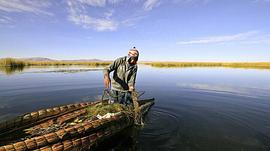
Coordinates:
[132,60]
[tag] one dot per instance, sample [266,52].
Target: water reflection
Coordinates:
[225,88]
[12,69]
[48,69]
[196,109]
[125,140]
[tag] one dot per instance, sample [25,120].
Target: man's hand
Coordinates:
[107,81]
[131,88]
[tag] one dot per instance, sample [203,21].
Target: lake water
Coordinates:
[196,109]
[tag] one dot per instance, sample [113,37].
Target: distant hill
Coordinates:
[37,59]
[84,60]
[48,59]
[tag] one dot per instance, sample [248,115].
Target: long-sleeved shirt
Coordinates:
[124,74]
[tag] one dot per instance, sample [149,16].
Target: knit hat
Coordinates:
[133,52]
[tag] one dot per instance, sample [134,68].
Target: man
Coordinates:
[124,76]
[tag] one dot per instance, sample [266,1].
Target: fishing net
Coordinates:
[137,113]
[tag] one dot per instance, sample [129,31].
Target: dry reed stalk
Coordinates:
[39,116]
[70,133]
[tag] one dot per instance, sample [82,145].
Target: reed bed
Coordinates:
[259,65]
[10,62]
[66,63]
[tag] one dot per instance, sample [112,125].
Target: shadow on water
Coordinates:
[125,140]
[11,69]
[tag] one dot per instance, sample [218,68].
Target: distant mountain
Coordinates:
[48,59]
[36,59]
[84,60]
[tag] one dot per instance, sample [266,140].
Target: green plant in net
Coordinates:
[103,109]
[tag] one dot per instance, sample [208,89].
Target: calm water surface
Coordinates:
[197,109]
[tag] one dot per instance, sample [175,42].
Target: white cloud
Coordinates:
[258,39]
[115,1]
[30,6]
[220,39]
[100,3]
[79,16]
[80,13]
[5,20]
[100,15]
[150,4]
[190,1]
[108,14]
[132,20]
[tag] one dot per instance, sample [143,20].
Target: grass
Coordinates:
[66,63]
[103,109]
[10,62]
[13,63]
[255,65]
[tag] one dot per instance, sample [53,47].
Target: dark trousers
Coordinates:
[122,97]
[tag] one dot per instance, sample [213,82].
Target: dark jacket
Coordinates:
[124,74]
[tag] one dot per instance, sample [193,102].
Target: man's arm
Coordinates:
[131,82]
[106,72]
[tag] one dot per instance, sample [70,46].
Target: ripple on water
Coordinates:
[161,128]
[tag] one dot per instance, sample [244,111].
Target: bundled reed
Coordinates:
[87,142]
[82,136]
[71,133]
[39,116]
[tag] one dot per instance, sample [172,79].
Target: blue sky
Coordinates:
[165,30]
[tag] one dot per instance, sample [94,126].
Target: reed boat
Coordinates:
[79,126]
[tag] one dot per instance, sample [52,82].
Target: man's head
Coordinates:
[133,55]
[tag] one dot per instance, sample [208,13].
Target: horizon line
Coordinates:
[105,60]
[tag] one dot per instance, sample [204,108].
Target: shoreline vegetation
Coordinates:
[11,65]
[19,63]
[251,65]
[11,62]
